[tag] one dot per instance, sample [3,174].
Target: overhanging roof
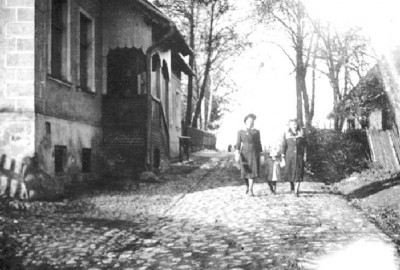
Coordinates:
[158,17]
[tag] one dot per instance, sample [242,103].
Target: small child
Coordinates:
[273,169]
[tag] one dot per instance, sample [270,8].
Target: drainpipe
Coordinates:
[149,53]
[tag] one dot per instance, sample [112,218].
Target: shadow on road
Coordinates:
[373,188]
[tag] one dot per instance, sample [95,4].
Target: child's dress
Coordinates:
[274,163]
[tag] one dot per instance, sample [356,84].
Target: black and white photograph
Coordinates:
[200,134]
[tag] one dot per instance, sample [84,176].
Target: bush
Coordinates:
[334,155]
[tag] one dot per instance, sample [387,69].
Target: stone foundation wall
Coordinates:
[52,132]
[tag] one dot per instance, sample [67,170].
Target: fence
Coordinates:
[200,139]
[385,148]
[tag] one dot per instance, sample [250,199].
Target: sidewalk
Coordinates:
[200,220]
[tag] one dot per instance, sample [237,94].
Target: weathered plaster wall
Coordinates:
[124,26]
[73,114]
[16,80]
[64,99]
[175,123]
[74,136]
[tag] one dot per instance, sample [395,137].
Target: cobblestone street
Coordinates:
[198,220]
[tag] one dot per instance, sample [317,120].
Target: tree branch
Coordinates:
[284,51]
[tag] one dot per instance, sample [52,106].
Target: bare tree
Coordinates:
[345,59]
[291,17]
[212,36]
[219,41]
[222,97]
[186,13]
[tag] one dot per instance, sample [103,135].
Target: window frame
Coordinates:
[90,73]
[64,74]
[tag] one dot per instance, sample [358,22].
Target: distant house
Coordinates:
[378,117]
[371,108]
[89,86]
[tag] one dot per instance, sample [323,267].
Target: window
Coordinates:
[155,67]
[59,40]
[351,123]
[166,92]
[48,128]
[86,51]
[60,156]
[157,158]
[86,160]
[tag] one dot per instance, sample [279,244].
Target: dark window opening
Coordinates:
[351,123]
[60,157]
[85,24]
[126,72]
[48,128]
[176,65]
[86,160]
[58,30]
[155,65]
[157,158]
[166,91]
[155,62]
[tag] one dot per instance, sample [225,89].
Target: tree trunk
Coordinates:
[206,71]
[201,94]
[300,75]
[209,109]
[314,65]
[336,100]
[188,116]
[306,104]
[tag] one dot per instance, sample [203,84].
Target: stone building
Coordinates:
[89,86]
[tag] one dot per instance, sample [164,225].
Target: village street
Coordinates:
[198,218]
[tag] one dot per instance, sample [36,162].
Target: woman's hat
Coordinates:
[250,115]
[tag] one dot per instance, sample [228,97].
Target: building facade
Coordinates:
[89,86]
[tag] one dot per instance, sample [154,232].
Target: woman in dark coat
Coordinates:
[294,148]
[248,149]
